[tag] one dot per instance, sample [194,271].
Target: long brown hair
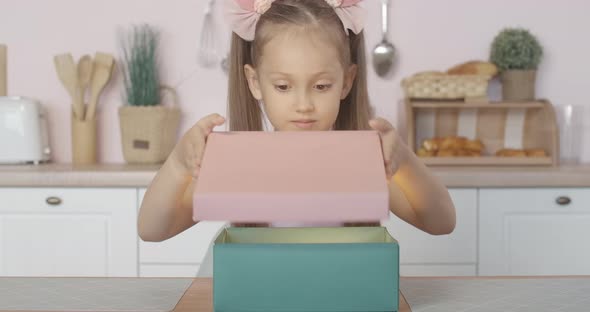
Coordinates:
[244,112]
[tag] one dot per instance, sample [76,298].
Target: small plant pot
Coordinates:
[518,85]
[148,133]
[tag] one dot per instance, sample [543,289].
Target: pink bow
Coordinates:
[243,15]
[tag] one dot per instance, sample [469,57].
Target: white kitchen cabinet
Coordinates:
[179,256]
[535,231]
[68,232]
[422,254]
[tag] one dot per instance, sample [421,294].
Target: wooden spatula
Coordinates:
[85,68]
[67,73]
[103,67]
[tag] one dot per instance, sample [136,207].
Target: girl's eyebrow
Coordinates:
[321,73]
[279,74]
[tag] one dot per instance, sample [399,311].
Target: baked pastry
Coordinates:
[450,147]
[446,153]
[422,152]
[429,73]
[536,152]
[463,153]
[432,144]
[474,145]
[474,68]
[453,143]
[509,152]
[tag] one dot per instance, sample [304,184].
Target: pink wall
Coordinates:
[430,35]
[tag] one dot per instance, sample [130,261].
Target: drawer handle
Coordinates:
[53,201]
[563,200]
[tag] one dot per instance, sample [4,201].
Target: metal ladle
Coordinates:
[384,52]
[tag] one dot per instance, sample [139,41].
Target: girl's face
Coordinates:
[300,81]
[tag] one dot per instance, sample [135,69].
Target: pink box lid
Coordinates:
[323,176]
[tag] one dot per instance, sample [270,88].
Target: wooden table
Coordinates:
[199,297]
[446,294]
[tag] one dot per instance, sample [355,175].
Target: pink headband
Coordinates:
[243,15]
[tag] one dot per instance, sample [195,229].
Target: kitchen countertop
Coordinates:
[124,175]
[441,294]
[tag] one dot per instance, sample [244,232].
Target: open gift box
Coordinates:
[323,176]
[305,269]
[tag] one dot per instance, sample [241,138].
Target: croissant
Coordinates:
[432,144]
[474,145]
[536,152]
[453,143]
[508,152]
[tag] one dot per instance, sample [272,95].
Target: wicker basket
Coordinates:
[148,133]
[446,87]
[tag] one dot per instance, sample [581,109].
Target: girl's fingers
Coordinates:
[381,125]
[209,122]
[386,134]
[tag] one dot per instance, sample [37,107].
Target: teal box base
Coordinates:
[305,269]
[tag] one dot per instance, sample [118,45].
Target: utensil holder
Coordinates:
[83,141]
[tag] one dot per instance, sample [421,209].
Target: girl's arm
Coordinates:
[415,194]
[419,198]
[167,207]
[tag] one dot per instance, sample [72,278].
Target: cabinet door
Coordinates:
[179,256]
[541,231]
[68,232]
[422,254]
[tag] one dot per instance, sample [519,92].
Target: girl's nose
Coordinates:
[304,103]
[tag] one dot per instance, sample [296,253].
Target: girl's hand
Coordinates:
[188,152]
[391,144]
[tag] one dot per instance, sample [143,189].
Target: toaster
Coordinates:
[23,131]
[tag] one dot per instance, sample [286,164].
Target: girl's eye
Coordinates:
[323,87]
[282,88]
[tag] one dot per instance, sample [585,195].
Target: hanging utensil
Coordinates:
[384,52]
[208,55]
[3,70]
[225,64]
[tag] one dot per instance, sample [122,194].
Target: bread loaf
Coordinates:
[474,68]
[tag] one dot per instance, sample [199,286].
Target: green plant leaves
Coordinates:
[516,48]
[140,66]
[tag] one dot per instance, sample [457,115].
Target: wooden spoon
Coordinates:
[103,67]
[85,68]
[67,73]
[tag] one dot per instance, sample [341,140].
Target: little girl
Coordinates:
[300,65]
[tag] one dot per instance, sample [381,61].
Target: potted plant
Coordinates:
[517,53]
[148,128]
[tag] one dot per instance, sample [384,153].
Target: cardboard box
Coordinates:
[324,176]
[305,269]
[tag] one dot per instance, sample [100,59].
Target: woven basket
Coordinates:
[446,87]
[148,133]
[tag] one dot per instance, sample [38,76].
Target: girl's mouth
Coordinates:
[304,123]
